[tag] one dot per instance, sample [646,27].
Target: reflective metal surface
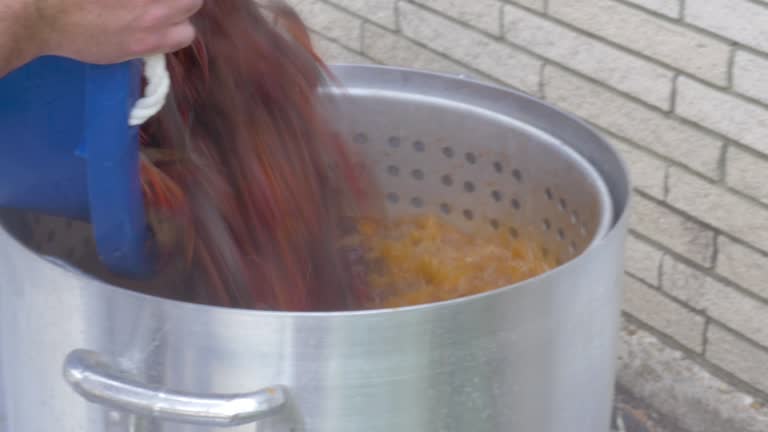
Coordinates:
[535,357]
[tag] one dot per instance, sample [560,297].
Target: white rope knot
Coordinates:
[158,86]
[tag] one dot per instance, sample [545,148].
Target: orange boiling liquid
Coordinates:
[424,259]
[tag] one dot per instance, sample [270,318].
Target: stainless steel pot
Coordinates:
[79,354]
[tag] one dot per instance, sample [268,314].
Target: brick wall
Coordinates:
[679,86]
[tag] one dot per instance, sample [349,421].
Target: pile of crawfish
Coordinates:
[247,183]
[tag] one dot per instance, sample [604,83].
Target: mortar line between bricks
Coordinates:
[683,10]
[673,93]
[349,12]
[327,39]
[740,334]
[721,164]
[756,52]
[361,37]
[479,73]
[542,87]
[672,298]
[502,21]
[726,187]
[712,181]
[630,51]
[731,67]
[705,337]
[710,273]
[669,114]
[396,6]
[727,143]
[744,98]
[503,39]
[660,268]
[677,20]
[715,370]
[758,3]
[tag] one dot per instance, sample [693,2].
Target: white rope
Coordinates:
[158,86]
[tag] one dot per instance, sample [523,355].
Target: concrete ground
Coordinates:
[633,415]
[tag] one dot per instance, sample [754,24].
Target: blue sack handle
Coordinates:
[111,147]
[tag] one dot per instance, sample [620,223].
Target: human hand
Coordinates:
[111,31]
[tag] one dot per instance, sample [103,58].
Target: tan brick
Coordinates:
[333,52]
[663,314]
[648,172]
[739,20]
[616,68]
[750,75]
[737,356]
[716,206]
[393,49]
[484,53]
[678,233]
[741,120]
[643,260]
[483,14]
[331,22]
[721,302]
[631,120]
[670,8]
[745,266]
[531,4]
[381,12]
[747,173]
[684,49]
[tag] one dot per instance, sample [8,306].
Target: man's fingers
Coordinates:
[178,37]
[184,9]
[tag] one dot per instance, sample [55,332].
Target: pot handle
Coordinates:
[90,375]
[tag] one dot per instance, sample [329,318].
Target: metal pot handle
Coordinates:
[90,375]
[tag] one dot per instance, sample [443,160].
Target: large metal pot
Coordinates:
[82,355]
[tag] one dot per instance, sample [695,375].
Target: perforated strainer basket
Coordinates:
[480,170]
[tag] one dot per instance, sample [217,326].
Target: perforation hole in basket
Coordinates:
[498,167]
[361,138]
[461,185]
[548,193]
[513,232]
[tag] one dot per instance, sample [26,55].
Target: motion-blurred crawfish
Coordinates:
[244,175]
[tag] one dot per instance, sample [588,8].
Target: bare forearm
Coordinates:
[19,40]
[93,31]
